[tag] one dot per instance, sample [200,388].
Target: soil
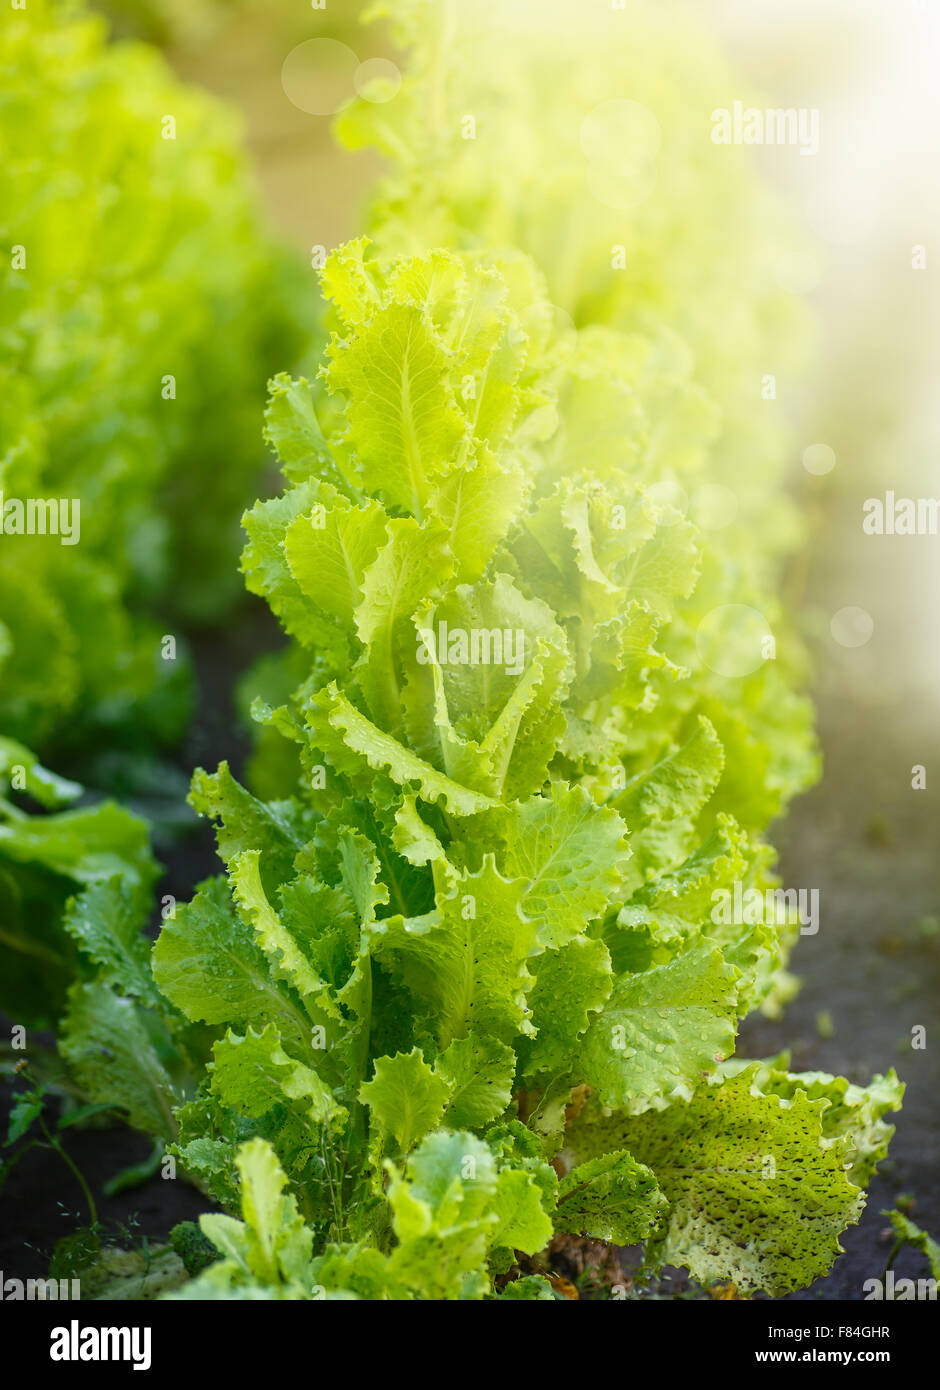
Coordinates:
[867,841]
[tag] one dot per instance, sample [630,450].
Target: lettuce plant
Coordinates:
[582,137]
[60,864]
[505,135]
[467,983]
[77,879]
[141,303]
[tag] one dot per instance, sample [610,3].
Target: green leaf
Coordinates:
[854,1115]
[531,1286]
[286,959]
[662,1030]
[611,1197]
[756,1193]
[478,1072]
[675,905]
[678,785]
[411,565]
[522,1223]
[24,1112]
[359,871]
[405,1097]
[207,963]
[349,284]
[278,830]
[403,421]
[267,572]
[106,921]
[413,837]
[906,1230]
[253,1073]
[571,984]
[88,846]
[497,710]
[330,553]
[114,1060]
[294,432]
[451,1181]
[382,752]
[464,965]
[477,505]
[570,850]
[272,1245]
[41,784]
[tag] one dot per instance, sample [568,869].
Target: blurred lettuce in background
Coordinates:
[593,155]
[187,24]
[144,305]
[585,143]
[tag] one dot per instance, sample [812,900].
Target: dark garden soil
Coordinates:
[872,974]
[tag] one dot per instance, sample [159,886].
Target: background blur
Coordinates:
[865,838]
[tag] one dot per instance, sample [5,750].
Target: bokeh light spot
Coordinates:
[734,639]
[318,76]
[819,459]
[714,506]
[668,493]
[377,80]
[852,627]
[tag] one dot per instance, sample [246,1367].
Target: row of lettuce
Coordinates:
[143,305]
[460,988]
